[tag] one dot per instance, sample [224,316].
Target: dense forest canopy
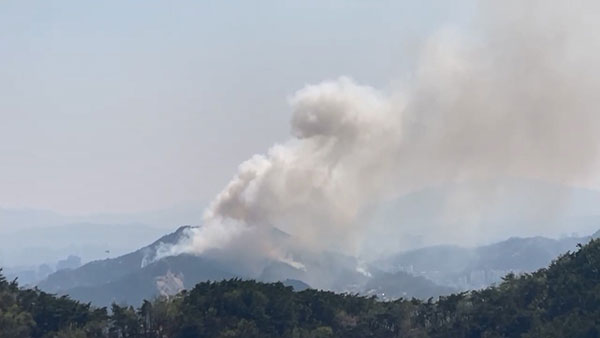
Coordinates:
[562,300]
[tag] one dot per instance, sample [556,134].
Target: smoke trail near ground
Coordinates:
[517,97]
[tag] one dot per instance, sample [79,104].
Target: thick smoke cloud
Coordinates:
[515,97]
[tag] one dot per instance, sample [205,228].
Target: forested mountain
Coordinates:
[137,276]
[562,300]
[106,270]
[422,273]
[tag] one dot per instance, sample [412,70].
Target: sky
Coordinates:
[128,106]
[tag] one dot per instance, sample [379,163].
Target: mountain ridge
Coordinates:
[433,271]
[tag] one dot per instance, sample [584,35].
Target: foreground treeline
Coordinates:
[560,301]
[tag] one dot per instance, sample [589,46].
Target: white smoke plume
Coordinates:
[516,97]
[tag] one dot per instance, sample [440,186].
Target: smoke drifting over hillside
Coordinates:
[517,97]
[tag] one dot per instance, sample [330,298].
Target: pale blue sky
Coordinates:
[124,106]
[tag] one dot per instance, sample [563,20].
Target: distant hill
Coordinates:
[135,276]
[107,270]
[165,277]
[390,286]
[468,268]
[297,285]
[130,279]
